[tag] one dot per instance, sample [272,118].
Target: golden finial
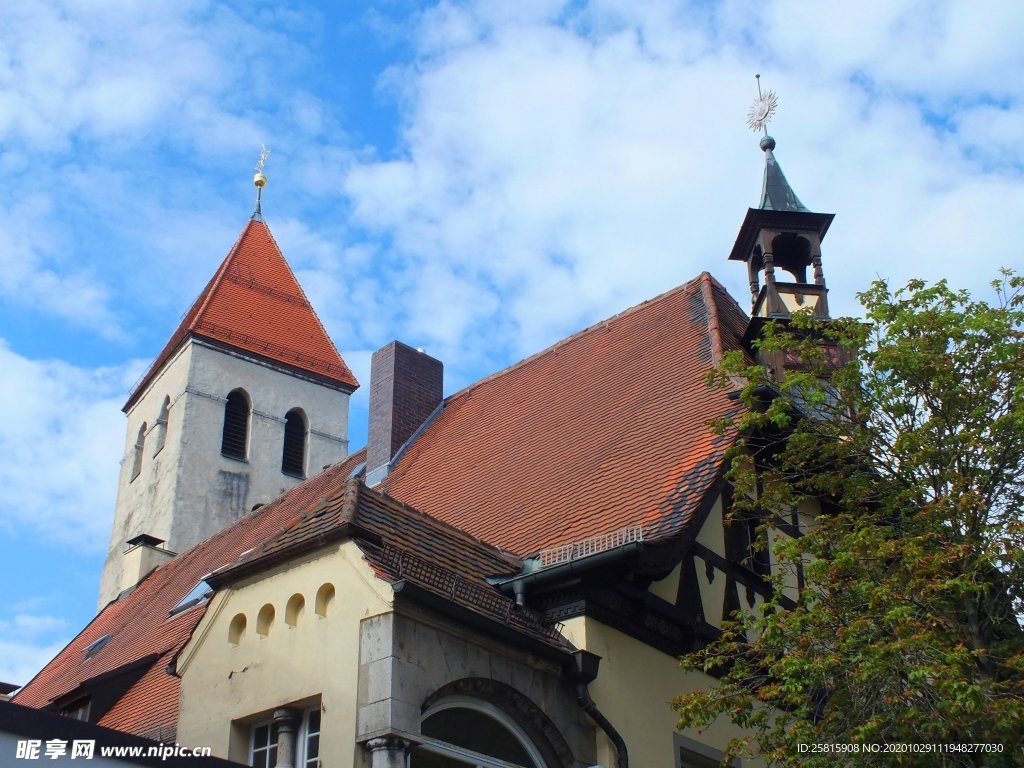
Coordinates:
[260,181]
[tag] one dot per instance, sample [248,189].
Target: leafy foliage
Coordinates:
[905,451]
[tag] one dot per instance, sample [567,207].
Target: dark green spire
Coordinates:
[776,194]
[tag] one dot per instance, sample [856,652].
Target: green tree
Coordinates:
[909,627]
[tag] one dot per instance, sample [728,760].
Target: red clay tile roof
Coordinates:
[140,623]
[605,429]
[254,303]
[402,543]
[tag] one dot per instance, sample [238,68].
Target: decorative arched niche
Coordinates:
[236,629]
[324,600]
[294,609]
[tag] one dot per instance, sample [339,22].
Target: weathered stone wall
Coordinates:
[189,491]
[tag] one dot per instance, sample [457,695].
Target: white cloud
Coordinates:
[94,99]
[27,642]
[560,164]
[61,435]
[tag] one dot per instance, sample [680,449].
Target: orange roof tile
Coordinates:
[605,429]
[403,544]
[254,303]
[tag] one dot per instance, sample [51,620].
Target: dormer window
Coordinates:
[77,710]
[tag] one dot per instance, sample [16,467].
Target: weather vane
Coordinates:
[264,154]
[762,110]
[260,181]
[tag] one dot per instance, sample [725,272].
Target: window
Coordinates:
[693,754]
[161,426]
[293,455]
[263,753]
[200,593]
[140,444]
[96,646]
[235,438]
[77,710]
[266,736]
[461,731]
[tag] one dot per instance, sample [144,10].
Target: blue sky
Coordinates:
[476,178]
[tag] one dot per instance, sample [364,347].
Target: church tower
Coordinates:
[780,234]
[248,397]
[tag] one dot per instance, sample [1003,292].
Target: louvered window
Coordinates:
[293,455]
[236,426]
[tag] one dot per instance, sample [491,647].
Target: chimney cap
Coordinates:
[144,539]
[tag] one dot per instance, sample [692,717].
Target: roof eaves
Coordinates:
[346,527]
[556,650]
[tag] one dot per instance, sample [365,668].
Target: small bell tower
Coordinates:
[780,235]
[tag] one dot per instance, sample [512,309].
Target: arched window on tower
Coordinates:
[293,454]
[140,444]
[235,438]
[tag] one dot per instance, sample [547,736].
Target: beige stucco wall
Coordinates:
[225,687]
[633,690]
[712,532]
[189,491]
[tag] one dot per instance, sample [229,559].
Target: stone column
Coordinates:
[287,722]
[388,752]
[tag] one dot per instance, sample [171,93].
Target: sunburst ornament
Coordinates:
[762,110]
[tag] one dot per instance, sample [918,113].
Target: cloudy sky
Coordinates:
[476,178]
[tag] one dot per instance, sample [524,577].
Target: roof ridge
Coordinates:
[714,332]
[603,324]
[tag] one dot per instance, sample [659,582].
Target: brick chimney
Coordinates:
[406,388]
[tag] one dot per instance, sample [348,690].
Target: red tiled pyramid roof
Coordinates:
[254,303]
[605,429]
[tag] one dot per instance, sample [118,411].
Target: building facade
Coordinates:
[502,577]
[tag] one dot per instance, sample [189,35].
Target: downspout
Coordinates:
[582,670]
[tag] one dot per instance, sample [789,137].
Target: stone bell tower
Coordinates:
[248,397]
